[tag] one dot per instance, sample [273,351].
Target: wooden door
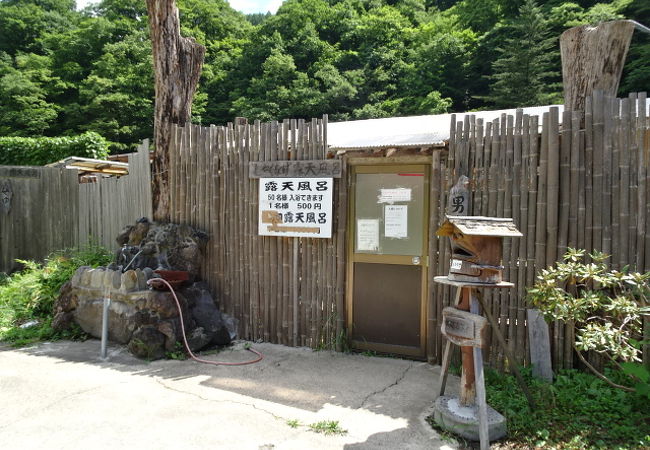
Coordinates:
[387,259]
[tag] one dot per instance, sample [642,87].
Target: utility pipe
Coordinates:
[187,347]
[107,304]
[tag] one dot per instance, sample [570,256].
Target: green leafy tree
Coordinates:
[523,74]
[24,83]
[636,72]
[117,96]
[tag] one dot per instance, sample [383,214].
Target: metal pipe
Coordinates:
[640,27]
[132,259]
[107,303]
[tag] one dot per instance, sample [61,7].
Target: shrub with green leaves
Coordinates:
[23,151]
[606,306]
[577,411]
[29,295]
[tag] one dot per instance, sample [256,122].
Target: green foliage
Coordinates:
[44,150]
[327,427]
[577,411]
[605,305]
[29,296]
[523,72]
[293,423]
[64,72]
[178,353]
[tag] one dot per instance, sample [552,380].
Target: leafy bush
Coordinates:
[39,151]
[606,307]
[577,411]
[29,296]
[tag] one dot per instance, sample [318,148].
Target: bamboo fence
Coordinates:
[281,290]
[577,180]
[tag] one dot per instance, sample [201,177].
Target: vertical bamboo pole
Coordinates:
[540,222]
[628,187]
[598,169]
[608,138]
[517,271]
[589,175]
[614,173]
[566,211]
[265,288]
[507,295]
[295,250]
[434,220]
[642,165]
[257,247]
[633,195]
[553,187]
[552,221]
[577,170]
[287,252]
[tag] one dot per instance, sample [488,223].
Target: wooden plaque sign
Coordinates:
[19,172]
[464,328]
[328,168]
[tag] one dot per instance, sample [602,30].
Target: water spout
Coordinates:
[132,259]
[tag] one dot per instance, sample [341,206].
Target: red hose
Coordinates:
[187,347]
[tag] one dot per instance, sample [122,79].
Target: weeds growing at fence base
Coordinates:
[27,297]
[577,411]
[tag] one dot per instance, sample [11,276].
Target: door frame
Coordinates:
[388,165]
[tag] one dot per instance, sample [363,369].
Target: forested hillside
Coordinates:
[64,72]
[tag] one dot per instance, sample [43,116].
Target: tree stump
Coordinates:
[593,59]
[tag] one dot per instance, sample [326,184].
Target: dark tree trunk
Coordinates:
[177,65]
[592,59]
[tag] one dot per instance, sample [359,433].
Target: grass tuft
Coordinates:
[327,427]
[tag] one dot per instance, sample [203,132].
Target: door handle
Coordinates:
[416,260]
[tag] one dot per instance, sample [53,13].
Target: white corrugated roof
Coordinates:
[411,131]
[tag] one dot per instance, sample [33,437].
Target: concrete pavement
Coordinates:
[61,395]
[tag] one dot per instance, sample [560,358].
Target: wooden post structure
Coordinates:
[470,328]
[476,247]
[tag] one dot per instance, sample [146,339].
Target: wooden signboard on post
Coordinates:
[464,328]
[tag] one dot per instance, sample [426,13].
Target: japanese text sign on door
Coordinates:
[295,207]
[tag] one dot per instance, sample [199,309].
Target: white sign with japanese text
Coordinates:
[396,221]
[394,195]
[367,235]
[295,207]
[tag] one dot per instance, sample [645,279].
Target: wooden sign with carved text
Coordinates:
[329,168]
[464,328]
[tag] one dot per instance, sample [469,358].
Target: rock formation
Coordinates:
[147,320]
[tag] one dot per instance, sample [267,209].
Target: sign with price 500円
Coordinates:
[295,207]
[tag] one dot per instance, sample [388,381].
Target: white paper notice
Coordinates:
[367,235]
[396,221]
[394,195]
